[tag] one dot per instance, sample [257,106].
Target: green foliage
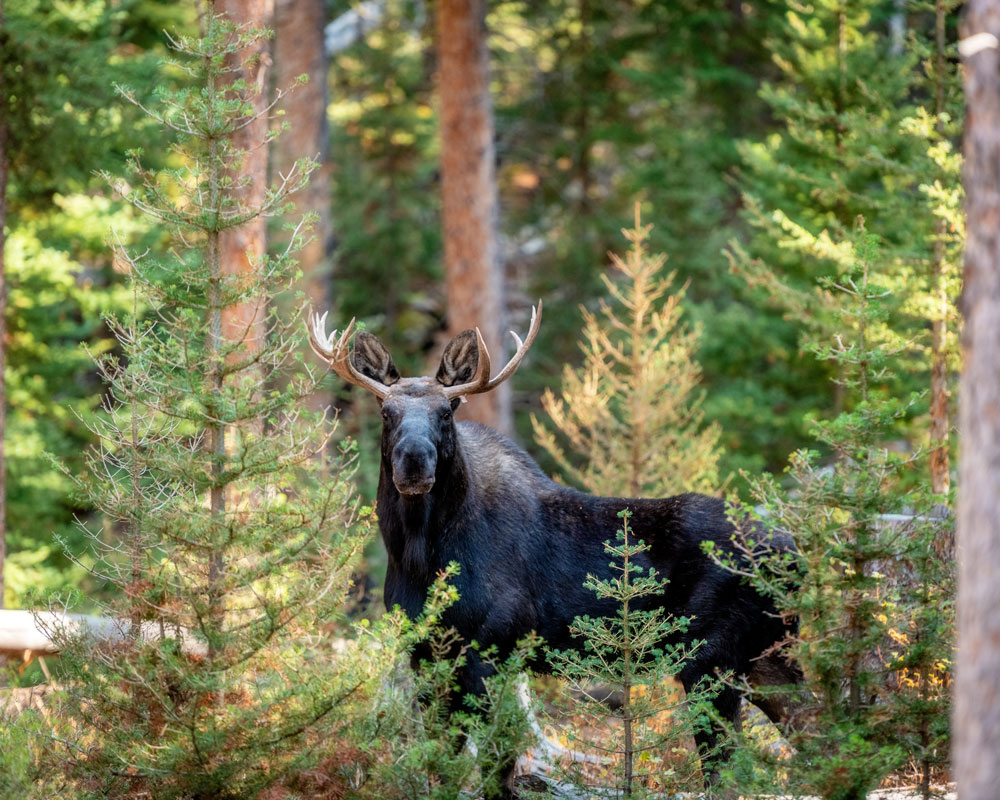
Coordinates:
[428,741]
[930,265]
[645,746]
[385,204]
[872,596]
[231,533]
[632,413]
[839,98]
[602,103]
[55,303]
[60,61]
[22,748]
[866,124]
[59,67]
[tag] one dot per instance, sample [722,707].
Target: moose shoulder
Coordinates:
[462,492]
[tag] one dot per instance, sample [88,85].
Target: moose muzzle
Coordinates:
[414,464]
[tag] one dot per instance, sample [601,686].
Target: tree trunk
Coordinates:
[977,686]
[298,50]
[238,252]
[469,196]
[242,249]
[940,465]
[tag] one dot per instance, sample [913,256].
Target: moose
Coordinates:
[460,491]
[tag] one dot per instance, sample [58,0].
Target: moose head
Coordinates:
[418,429]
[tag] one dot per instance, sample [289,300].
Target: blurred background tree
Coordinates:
[60,65]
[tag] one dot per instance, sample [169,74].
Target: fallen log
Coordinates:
[40,632]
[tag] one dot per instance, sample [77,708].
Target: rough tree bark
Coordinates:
[977,686]
[474,278]
[236,252]
[242,248]
[298,50]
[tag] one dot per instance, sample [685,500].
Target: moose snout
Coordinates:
[414,463]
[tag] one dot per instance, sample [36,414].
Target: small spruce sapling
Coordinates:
[645,746]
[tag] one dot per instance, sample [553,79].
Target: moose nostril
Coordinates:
[414,463]
[413,454]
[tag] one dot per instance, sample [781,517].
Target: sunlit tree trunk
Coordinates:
[469,195]
[298,50]
[237,252]
[977,686]
[243,248]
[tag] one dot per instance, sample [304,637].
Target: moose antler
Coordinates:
[337,353]
[483,383]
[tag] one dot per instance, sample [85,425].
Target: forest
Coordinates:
[734,532]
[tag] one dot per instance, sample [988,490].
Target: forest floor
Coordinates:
[14,701]
[531,785]
[565,742]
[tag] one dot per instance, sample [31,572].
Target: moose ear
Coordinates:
[370,357]
[459,360]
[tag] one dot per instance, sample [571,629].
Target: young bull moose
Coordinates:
[462,492]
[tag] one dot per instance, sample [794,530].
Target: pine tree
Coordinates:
[867,123]
[231,539]
[643,749]
[840,97]
[932,279]
[871,596]
[632,412]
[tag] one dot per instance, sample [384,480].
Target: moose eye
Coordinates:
[445,414]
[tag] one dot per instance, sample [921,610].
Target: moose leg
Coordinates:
[471,682]
[712,739]
[774,678]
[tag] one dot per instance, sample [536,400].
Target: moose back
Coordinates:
[462,492]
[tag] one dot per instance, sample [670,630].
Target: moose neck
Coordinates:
[412,525]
